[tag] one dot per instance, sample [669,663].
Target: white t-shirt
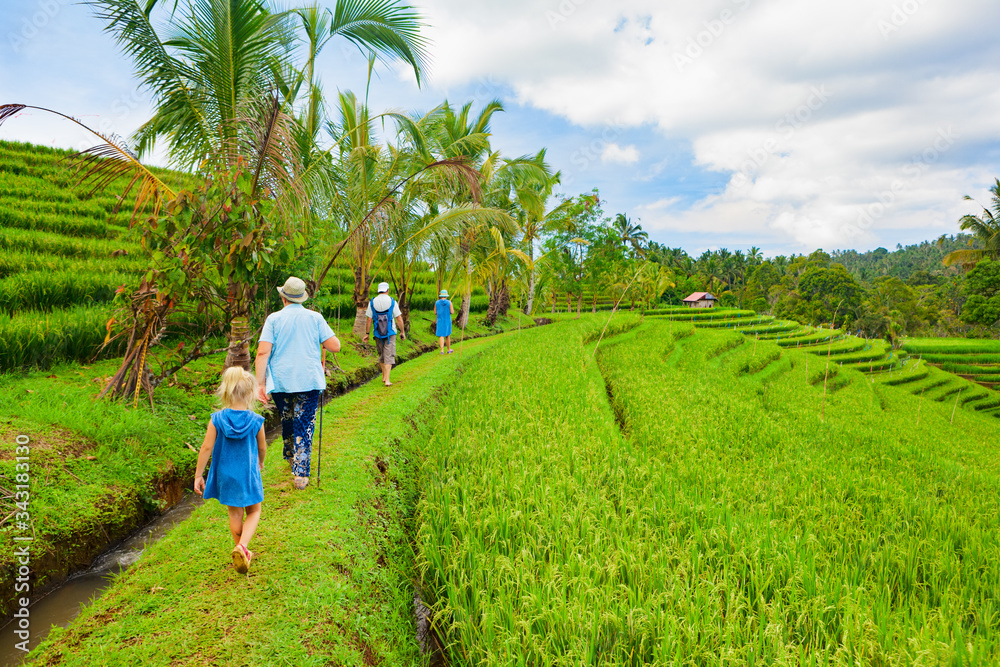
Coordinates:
[382,302]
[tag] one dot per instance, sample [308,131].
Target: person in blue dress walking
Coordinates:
[235,442]
[444,310]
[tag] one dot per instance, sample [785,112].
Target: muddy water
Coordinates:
[62,604]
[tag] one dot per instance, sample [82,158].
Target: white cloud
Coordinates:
[813,111]
[613,153]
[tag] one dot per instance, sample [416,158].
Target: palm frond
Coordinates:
[265,135]
[172,82]
[107,162]
[966,258]
[385,28]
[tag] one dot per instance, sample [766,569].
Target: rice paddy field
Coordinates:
[975,360]
[632,491]
[690,496]
[971,368]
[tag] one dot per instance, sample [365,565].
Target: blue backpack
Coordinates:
[383,320]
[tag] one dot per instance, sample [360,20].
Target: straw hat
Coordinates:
[294,290]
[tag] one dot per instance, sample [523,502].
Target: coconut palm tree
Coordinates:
[630,234]
[985,229]
[376,187]
[532,193]
[223,52]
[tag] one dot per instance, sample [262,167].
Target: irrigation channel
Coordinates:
[63,603]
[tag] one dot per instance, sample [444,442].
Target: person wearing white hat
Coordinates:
[444,310]
[382,312]
[290,369]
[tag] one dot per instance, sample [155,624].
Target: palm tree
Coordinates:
[630,234]
[985,228]
[374,186]
[224,52]
[532,194]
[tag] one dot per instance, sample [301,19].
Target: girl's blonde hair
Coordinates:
[238,386]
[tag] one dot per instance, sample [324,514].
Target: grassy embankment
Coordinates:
[331,583]
[728,522]
[63,253]
[99,468]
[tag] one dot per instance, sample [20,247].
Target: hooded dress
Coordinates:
[234,478]
[443,309]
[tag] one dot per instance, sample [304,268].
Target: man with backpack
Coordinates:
[383,312]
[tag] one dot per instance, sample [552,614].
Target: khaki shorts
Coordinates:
[386,350]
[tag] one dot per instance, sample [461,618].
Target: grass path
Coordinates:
[330,584]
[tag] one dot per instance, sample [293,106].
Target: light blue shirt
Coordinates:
[296,335]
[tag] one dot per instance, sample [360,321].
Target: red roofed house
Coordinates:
[700,300]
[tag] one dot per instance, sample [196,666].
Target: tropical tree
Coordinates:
[223,52]
[375,185]
[210,80]
[630,235]
[985,229]
[532,196]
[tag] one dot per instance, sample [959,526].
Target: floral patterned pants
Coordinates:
[298,419]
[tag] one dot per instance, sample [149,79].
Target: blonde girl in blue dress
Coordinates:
[235,442]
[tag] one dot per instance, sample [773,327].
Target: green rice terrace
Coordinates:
[65,252]
[962,372]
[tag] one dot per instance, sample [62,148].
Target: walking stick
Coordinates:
[319,459]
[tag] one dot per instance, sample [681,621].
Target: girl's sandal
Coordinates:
[300,482]
[241,558]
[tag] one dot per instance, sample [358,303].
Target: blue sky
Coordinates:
[783,124]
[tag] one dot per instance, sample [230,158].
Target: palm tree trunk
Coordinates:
[239,327]
[531,293]
[463,311]
[404,308]
[531,280]
[239,343]
[491,312]
[503,301]
[579,302]
[360,327]
[360,302]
